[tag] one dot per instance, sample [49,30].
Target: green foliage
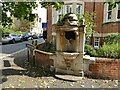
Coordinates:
[112,38]
[25,25]
[20,10]
[61,20]
[47,47]
[56,5]
[109,51]
[110,48]
[88,20]
[106,51]
[90,50]
[113,4]
[52,48]
[11,30]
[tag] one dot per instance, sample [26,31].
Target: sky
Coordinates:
[42,12]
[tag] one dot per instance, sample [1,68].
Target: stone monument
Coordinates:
[69,46]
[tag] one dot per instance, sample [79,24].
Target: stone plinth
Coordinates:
[69,46]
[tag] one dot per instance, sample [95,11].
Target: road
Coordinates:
[12,48]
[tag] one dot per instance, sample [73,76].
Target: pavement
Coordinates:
[16,72]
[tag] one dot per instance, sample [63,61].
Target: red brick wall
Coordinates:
[43,59]
[98,7]
[111,27]
[100,27]
[105,68]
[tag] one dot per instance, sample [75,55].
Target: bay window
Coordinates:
[109,12]
[118,12]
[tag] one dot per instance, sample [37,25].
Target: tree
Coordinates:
[113,4]
[88,19]
[20,10]
[56,5]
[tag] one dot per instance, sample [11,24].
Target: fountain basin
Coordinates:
[69,56]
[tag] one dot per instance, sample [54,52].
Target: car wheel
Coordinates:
[13,41]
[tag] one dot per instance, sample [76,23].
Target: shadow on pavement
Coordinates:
[11,71]
[7,63]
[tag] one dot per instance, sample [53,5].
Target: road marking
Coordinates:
[2,56]
[18,51]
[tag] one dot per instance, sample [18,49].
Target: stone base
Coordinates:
[69,77]
[69,72]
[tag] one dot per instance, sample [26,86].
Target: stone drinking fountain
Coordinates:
[70,37]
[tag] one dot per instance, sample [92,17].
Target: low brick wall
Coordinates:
[42,58]
[105,68]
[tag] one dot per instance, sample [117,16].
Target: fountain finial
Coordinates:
[69,19]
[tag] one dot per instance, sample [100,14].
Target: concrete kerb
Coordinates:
[11,57]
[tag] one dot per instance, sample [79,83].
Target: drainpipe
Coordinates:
[49,23]
[92,43]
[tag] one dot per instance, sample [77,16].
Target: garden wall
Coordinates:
[105,68]
[43,58]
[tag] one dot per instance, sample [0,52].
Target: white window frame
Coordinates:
[87,41]
[69,8]
[80,11]
[96,42]
[60,12]
[107,19]
[118,19]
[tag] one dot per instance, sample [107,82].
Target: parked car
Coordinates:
[34,36]
[26,36]
[10,38]
[40,36]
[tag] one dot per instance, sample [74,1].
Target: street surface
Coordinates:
[12,48]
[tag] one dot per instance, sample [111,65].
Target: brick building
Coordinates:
[107,20]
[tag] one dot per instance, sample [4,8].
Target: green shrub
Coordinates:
[90,50]
[47,47]
[7,30]
[109,51]
[112,38]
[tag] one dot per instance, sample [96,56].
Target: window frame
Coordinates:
[87,41]
[70,6]
[96,40]
[80,11]
[118,8]
[108,11]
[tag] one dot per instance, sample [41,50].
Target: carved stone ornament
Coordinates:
[71,19]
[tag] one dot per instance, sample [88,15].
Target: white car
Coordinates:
[11,38]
